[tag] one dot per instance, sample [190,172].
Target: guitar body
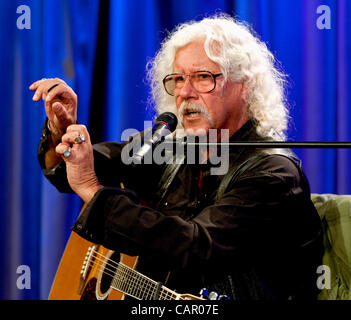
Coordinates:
[88,271]
[84,272]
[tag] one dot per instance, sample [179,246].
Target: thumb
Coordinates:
[57,108]
[61,115]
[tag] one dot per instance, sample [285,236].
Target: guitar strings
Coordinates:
[124,268]
[122,272]
[136,279]
[125,271]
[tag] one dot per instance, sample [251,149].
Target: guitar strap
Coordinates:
[168,176]
[234,173]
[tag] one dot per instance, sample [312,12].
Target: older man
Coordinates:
[252,233]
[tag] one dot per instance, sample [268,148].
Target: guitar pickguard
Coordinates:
[89,291]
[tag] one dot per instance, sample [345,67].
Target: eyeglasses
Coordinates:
[201,81]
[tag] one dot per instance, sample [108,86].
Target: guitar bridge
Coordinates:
[86,266]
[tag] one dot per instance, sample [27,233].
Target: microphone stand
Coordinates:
[268,144]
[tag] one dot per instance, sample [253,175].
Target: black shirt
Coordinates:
[260,240]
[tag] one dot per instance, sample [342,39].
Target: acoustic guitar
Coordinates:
[88,271]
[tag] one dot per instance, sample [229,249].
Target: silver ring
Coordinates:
[79,139]
[67,153]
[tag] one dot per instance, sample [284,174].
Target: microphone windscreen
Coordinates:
[168,118]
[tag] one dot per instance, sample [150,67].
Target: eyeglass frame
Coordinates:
[214,76]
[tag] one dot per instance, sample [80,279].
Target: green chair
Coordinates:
[335,213]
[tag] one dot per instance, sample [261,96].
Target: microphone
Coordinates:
[164,125]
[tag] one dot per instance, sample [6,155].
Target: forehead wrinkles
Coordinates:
[192,57]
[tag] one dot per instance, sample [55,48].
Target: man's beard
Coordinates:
[188,108]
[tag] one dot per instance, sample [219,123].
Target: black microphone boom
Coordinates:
[165,124]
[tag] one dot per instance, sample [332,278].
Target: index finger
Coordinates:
[35,84]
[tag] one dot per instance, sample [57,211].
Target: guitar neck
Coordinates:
[139,286]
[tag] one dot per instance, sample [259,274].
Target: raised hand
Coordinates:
[60,104]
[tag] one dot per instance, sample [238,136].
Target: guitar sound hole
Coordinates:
[109,272]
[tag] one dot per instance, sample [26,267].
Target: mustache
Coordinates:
[187,107]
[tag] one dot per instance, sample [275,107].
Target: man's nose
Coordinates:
[187,90]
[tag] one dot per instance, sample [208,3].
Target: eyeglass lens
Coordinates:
[201,81]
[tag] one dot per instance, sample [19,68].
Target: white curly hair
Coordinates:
[241,56]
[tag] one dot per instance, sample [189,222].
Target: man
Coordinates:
[252,233]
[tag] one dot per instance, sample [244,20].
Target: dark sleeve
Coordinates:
[57,174]
[109,167]
[267,211]
[251,215]
[107,161]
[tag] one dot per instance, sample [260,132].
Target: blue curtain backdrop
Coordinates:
[62,42]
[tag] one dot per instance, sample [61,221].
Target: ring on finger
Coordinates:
[52,87]
[79,139]
[67,153]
